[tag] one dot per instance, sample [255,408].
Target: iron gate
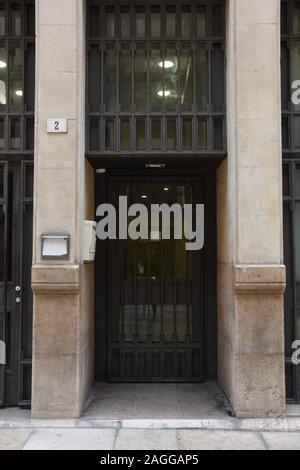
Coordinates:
[16,204]
[291,212]
[155,304]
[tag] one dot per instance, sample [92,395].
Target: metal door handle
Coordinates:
[18,300]
[17,288]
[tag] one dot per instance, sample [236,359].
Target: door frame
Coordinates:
[4,202]
[14,392]
[208,173]
[291,298]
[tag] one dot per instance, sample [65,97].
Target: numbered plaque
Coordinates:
[57,126]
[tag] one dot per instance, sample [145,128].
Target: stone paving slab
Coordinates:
[157,401]
[219,440]
[282,441]
[14,439]
[145,439]
[14,414]
[293,410]
[110,408]
[230,424]
[71,439]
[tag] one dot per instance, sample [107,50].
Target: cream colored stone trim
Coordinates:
[259,279]
[56,279]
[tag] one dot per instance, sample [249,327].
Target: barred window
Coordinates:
[156,77]
[17,77]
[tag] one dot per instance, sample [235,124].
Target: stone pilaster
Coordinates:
[62,343]
[251,275]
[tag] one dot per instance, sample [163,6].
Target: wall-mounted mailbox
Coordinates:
[55,246]
[89,241]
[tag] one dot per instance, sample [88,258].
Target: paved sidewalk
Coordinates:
[18,431]
[144,439]
[155,417]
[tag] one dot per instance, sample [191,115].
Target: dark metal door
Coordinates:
[155,305]
[291,213]
[16,197]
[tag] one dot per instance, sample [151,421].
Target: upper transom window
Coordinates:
[290,74]
[156,77]
[17,76]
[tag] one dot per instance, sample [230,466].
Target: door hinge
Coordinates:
[2,353]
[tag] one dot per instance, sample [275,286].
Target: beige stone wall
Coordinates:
[251,277]
[63,291]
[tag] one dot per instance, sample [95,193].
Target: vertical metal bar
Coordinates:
[175,336]
[132,123]
[148,267]
[8,106]
[149,307]
[102,105]
[23,47]
[194,106]
[210,105]
[4,306]
[122,244]
[133,194]
[162,301]
[291,45]
[203,195]
[148,125]
[188,293]
[293,193]
[19,278]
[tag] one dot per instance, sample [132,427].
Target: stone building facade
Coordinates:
[243,275]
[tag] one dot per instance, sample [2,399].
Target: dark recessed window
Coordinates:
[187,134]
[155,21]
[156,134]
[15,134]
[218,130]
[297,181]
[201,20]
[290,74]
[140,22]
[16,22]
[2,133]
[202,134]
[171,134]
[125,134]
[125,22]
[94,134]
[157,71]
[296,18]
[140,134]
[109,134]
[110,22]
[186,20]
[17,75]
[2,19]
[171,19]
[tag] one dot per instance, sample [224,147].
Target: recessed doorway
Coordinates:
[155,302]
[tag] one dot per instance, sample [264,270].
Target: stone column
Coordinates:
[251,275]
[63,307]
